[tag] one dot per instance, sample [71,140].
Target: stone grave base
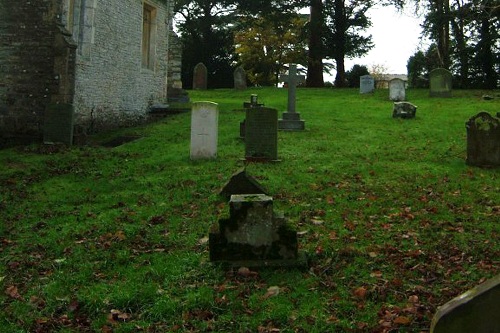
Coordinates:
[291,122]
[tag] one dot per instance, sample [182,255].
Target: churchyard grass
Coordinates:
[394,223]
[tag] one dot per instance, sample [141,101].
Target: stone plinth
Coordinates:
[253,235]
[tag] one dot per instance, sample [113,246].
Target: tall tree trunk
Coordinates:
[340,37]
[443,32]
[458,30]
[315,55]
[486,54]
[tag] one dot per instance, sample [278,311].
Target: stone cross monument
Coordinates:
[291,119]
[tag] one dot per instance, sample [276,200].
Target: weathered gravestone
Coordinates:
[291,119]
[200,77]
[204,130]
[261,134]
[58,124]
[254,102]
[366,84]
[404,110]
[440,82]
[240,78]
[483,140]
[242,183]
[397,90]
[253,235]
[476,311]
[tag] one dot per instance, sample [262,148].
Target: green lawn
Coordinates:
[96,239]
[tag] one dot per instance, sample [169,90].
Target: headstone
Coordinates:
[261,134]
[483,140]
[240,78]
[242,183]
[254,102]
[397,91]
[242,129]
[366,84]
[291,119]
[58,124]
[200,77]
[440,82]
[204,130]
[404,110]
[476,311]
[253,235]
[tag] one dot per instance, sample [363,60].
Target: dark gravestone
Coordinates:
[366,84]
[200,77]
[476,311]
[261,134]
[404,110]
[240,78]
[242,129]
[253,235]
[440,82]
[483,140]
[254,102]
[242,183]
[58,124]
[291,119]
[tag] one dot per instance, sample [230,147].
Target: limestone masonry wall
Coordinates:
[85,52]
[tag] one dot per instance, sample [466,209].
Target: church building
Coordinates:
[99,63]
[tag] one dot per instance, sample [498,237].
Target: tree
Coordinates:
[316,52]
[267,43]
[352,76]
[345,20]
[206,29]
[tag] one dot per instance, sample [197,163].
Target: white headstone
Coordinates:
[397,91]
[204,130]
[366,84]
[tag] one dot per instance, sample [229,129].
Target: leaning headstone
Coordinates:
[253,235]
[58,124]
[291,119]
[242,183]
[440,82]
[261,134]
[366,84]
[483,141]
[404,110]
[397,90]
[240,78]
[200,77]
[204,130]
[476,311]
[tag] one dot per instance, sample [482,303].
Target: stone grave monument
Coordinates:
[254,102]
[204,130]
[242,183]
[200,77]
[58,124]
[397,90]
[404,110]
[291,119]
[253,235]
[261,134]
[483,140]
[366,84]
[440,82]
[240,78]
[476,311]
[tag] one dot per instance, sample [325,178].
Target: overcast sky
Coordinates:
[396,38]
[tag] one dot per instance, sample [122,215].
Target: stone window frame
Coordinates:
[149,35]
[78,18]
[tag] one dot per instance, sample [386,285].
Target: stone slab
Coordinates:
[440,83]
[261,134]
[204,130]
[58,124]
[476,311]
[366,84]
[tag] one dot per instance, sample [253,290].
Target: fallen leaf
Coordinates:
[203,241]
[13,292]
[317,222]
[402,320]
[360,292]
[272,291]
